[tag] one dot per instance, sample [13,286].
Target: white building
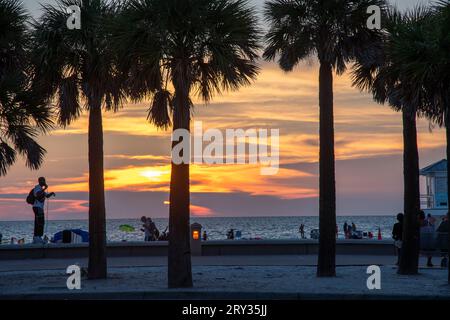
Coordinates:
[434,200]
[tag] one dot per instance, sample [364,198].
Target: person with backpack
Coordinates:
[36,198]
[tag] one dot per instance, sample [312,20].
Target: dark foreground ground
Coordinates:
[230,277]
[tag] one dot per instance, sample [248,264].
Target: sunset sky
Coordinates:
[137,162]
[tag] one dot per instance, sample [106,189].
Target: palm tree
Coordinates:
[336,33]
[22,115]
[184,48]
[76,68]
[436,64]
[383,74]
[426,61]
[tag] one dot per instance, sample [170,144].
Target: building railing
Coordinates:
[426,201]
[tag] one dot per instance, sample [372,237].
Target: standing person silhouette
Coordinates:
[40,195]
[397,235]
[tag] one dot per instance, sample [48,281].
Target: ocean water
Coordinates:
[216,228]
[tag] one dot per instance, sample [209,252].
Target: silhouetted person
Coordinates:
[301,229]
[146,228]
[397,235]
[346,230]
[431,220]
[205,236]
[442,240]
[154,232]
[425,245]
[40,195]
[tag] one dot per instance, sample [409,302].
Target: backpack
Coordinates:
[31,198]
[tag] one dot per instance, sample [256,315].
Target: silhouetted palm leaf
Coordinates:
[160,110]
[22,114]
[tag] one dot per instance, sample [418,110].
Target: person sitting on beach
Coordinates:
[146,228]
[153,230]
[40,194]
[397,235]
[442,240]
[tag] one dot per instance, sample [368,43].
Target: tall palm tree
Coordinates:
[437,66]
[22,115]
[77,69]
[186,48]
[336,33]
[383,74]
[426,61]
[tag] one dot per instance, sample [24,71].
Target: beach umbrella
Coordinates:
[126,228]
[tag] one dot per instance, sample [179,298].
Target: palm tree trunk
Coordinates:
[326,266]
[409,259]
[179,258]
[97,268]
[447,131]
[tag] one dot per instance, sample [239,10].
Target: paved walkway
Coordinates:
[259,260]
[223,277]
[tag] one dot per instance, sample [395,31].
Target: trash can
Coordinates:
[196,239]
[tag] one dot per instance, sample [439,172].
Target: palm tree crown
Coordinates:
[200,46]
[22,115]
[334,31]
[386,72]
[70,64]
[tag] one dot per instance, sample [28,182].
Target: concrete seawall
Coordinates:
[209,248]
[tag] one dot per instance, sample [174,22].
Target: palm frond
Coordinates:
[23,114]
[68,101]
[7,157]
[161,108]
